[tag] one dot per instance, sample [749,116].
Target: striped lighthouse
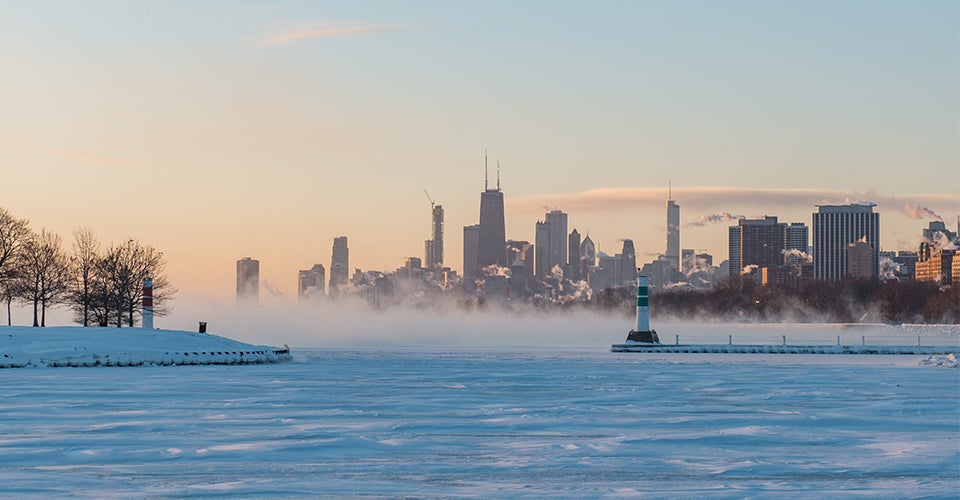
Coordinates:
[643,333]
[147,322]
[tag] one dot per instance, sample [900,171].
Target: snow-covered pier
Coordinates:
[783,349]
[22,347]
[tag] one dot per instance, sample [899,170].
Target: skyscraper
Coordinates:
[588,256]
[311,282]
[542,248]
[756,242]
[433,248]
[492,247]
[557,255]
[551,242]
[572,271]
[471,250]
[248,281]
[796,239]
[339,265]
[520,253]
[834,228]
[673,232]
[628,263]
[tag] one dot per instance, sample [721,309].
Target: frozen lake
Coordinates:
[481,423]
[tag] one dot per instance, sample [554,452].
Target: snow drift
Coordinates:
[80,346]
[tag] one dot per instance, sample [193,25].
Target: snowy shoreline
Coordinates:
[75,346]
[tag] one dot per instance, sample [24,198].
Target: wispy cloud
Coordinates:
[302,32]
[707,219]
[710,198]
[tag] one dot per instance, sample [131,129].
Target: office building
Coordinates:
[572,269]
[339,265]
[492,249]
[520,253]
[557,255]
[588,256]
[628,264]
[688,260]
[605,274]
[541,244]
[551,240]
[248,281]
[834,228]
[311,283]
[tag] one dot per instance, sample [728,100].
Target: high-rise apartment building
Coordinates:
[940,265]
[339,265]
[673,233]
[797,237]
[834,228]
[248,281]
[433,248]
[756,243]
[861,260]
[311,283]
[471,251]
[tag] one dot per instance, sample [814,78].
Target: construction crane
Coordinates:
[432,203]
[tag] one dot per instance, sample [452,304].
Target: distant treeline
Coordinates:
[102,287]
[848,301]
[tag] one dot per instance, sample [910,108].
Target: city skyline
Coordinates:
[219,130]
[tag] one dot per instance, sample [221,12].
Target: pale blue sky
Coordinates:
[273,143]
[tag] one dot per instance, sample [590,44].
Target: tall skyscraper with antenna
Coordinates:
[492,249]
[433,248]
[673,230]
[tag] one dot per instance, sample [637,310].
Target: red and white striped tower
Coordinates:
[147,304]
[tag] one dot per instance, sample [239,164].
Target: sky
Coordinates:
[215,130]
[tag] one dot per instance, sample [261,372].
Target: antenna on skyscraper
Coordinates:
[670,190]
[486,183]
[498,174]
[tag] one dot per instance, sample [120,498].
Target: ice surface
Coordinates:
[486,423]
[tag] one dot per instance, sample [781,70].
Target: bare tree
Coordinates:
[84,261]
[44,273]
[124,267]
[14,233]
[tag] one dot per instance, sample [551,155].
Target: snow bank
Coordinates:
[948,361]
[86,346]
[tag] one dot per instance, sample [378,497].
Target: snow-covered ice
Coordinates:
[486,423]
[77,346]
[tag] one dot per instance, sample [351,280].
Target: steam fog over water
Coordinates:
[355,325]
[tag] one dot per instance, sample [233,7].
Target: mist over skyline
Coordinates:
[217,130]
